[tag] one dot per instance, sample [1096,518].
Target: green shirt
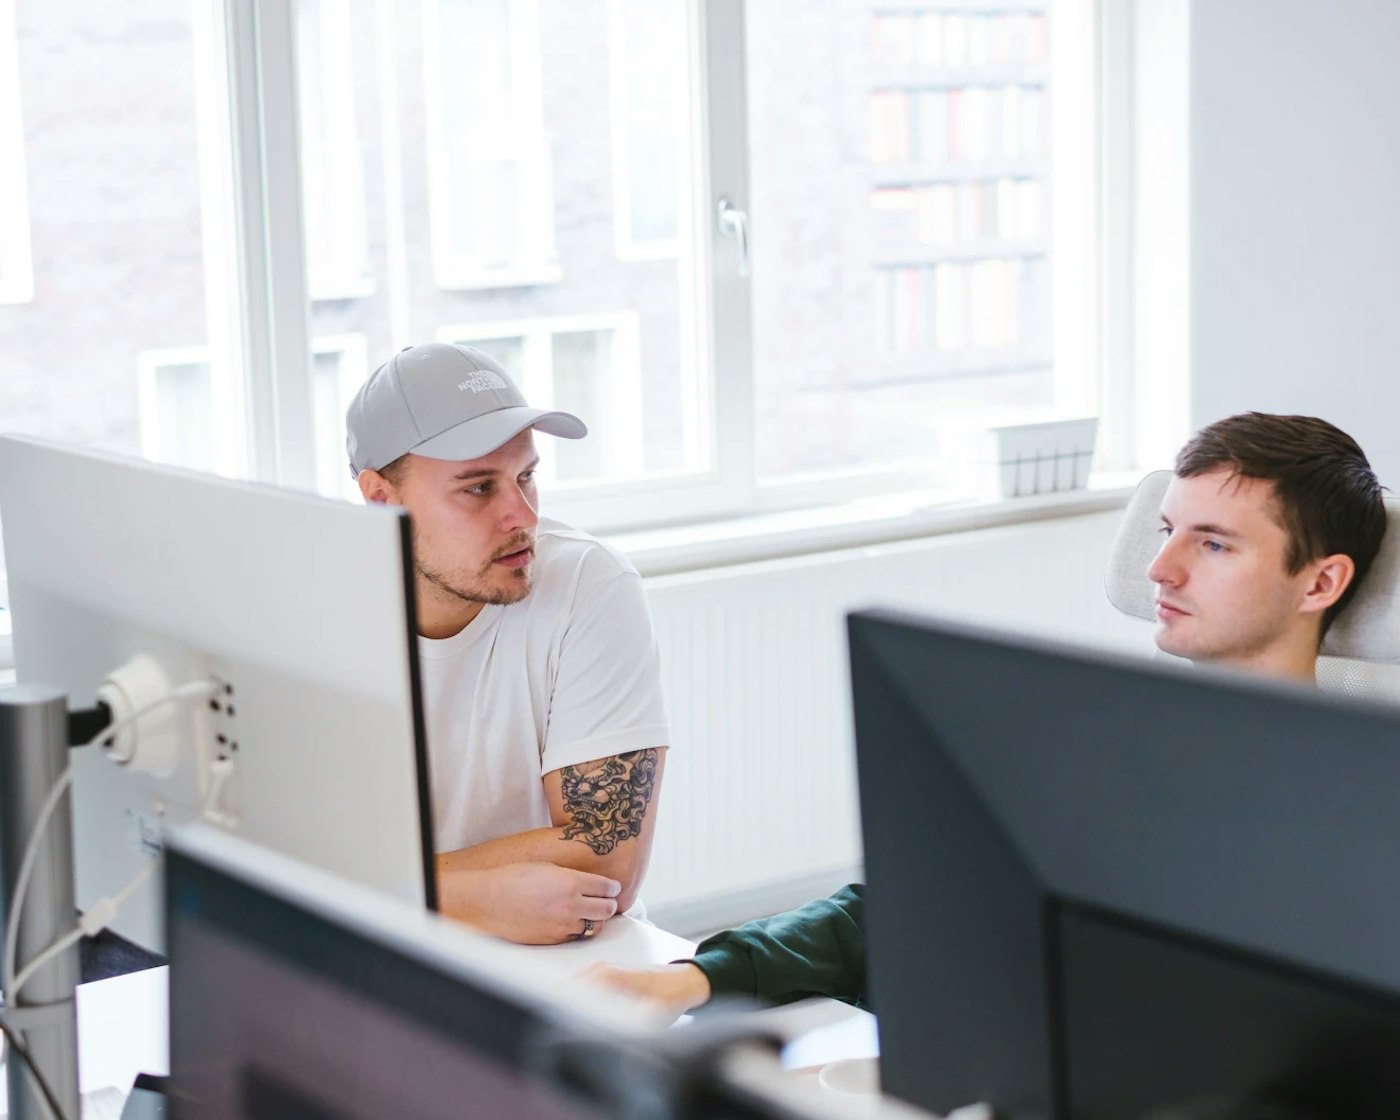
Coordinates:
[816,950]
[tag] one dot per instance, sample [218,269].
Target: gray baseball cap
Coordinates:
[441,401]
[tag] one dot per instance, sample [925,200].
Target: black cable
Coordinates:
[22,1051]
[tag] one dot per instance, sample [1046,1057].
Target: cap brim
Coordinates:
[483,434]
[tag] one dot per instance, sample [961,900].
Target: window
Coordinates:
[333,182]
[901,203]
[177,407]
[909,241]
[646,72]
[177,390]
[111,161]
[587,365]
[489,156]
[337,371]
[16,267]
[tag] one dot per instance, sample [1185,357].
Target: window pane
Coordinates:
[900,162]
[496,213]
[118,219]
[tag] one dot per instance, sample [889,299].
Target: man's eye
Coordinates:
[480,490]
[527,478]
[1214,546]
[1165,530]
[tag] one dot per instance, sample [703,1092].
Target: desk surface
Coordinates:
[123,1028]
[123,1024]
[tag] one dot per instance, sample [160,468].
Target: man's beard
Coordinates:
[481,590]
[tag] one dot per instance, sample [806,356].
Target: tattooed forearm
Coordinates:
[607,800]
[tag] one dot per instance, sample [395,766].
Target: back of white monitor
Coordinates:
[303,605]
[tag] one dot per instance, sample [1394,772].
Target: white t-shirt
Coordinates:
[567,675]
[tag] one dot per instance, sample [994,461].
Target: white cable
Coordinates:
[26,868]
[192,690]
[94,920]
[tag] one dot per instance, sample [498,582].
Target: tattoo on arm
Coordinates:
[607,800]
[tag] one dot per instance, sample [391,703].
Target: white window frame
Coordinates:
[454,271]
[16,253]
[711,280]
[622,458]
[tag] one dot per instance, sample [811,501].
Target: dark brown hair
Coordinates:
[1329,500]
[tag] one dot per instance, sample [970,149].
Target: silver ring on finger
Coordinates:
[589,929]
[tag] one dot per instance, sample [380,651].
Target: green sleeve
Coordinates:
[815,950]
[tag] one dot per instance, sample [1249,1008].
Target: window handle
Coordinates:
[734,222]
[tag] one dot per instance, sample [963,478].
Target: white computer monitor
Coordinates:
[304,605]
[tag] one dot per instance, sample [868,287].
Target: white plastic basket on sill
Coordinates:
[1039,457]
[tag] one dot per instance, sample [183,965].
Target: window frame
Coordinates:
[720,338]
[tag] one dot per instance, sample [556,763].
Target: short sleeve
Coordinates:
[607,688]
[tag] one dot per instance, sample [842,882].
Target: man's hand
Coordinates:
[530,903]
[675,987]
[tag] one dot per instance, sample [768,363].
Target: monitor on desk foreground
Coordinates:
[296,994]
[301,607]
[1109,890]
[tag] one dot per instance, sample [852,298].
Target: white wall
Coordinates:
[1295,214]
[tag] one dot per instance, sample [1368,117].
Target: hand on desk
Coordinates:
[676,988]
[529,903]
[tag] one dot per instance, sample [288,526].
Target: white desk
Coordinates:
[123,1028]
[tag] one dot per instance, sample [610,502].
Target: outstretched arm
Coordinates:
[817,949]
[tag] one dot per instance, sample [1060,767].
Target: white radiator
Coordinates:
[759,805]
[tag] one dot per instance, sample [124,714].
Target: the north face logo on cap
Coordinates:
[480,382]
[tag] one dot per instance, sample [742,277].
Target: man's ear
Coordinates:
[1331,576]
[375,488]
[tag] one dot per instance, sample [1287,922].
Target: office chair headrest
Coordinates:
[1368,630]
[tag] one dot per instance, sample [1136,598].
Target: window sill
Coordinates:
[869,521]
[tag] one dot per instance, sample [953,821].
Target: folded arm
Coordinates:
[603,822]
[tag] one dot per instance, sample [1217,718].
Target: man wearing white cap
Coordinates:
[547,731]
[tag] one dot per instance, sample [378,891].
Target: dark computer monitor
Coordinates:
[1105,889]
[297,994]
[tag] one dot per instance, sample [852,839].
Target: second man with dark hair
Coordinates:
[1268,526]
